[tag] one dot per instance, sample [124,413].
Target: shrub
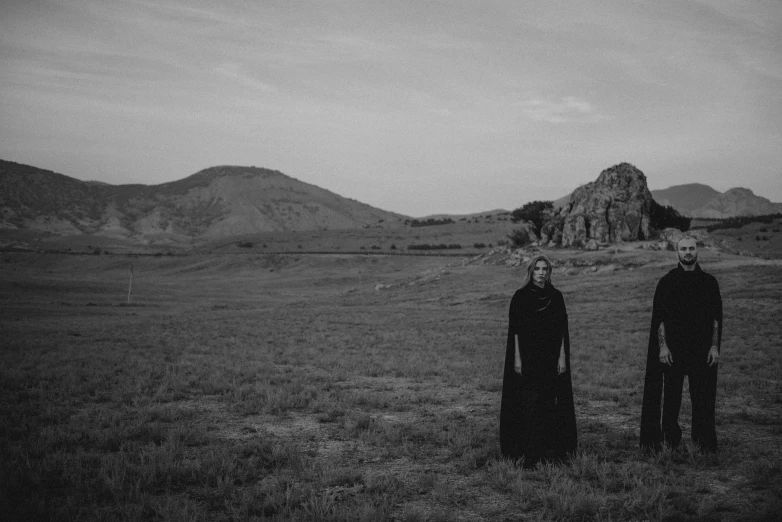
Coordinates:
[244,244]
[479,245]
[519,237]
[441,246]
[533,211]
[429,222]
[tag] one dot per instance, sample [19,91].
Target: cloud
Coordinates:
[567,109]
[233,71]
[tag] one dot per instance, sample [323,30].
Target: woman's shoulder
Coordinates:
[520,294]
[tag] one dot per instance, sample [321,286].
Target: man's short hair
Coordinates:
[687,238]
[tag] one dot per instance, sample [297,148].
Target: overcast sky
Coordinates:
[418,107]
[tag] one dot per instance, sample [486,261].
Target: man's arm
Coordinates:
[714,352]
[665,353]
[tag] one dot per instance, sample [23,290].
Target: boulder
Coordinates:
[614,208]
[670,236]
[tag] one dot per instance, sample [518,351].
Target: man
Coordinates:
[684,340]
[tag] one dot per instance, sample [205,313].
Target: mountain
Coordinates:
[737,202]
[213,203]
[685,198]
[697,200]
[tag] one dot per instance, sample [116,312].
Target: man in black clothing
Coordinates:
[684,340]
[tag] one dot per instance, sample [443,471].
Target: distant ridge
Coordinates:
[702,201]
[216,202]
[685,198]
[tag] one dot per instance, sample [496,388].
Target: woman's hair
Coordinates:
[531,267]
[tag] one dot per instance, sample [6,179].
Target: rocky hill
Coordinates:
[614,208]
[213,203]
[702,201]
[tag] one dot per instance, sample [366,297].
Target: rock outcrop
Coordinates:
[614,208]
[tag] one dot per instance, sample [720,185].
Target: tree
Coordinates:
[533,211]
[667,217]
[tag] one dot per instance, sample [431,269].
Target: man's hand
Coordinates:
[517,366]
[561,365]
[666,357]
[714,356]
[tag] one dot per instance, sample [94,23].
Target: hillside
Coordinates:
[685,198]
[702,201]
[213,203]
[737,202]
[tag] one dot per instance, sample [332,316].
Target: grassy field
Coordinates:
[246,387]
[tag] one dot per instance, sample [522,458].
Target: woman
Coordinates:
[537,417]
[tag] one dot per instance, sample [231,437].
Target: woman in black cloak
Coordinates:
[537,417]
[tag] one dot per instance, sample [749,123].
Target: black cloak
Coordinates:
[688,303]
[537,416]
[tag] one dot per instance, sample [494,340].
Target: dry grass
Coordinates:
[251,387]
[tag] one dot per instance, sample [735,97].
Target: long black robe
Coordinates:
[687,303]
[537,416]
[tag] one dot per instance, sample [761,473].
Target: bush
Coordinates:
[519,237]
[441,246]
[533,211]
[244,244]
[667,217]
[479,245]
[429,222]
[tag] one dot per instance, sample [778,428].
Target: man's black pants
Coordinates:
[703,396]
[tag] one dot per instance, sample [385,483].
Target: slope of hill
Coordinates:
[215,202]
[702,201]
[685,198]
[737,202]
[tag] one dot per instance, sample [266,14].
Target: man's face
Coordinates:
[688,252]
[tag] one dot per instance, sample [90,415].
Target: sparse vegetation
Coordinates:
[186,406]
[738,222]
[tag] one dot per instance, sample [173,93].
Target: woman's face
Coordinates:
[540,272]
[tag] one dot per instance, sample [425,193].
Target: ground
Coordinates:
[340,387]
